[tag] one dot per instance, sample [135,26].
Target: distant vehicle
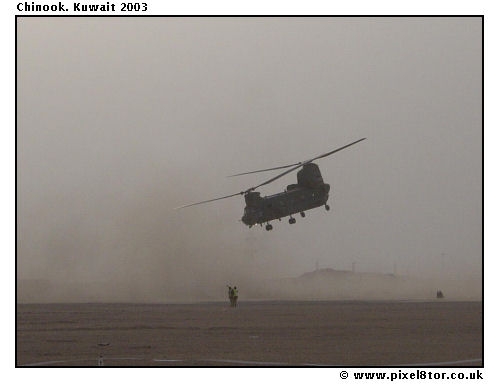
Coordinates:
[309,192]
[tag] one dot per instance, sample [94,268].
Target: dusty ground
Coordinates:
[333,333]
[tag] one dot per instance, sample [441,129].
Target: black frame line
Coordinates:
[257,16]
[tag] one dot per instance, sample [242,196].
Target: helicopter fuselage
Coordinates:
[309,192]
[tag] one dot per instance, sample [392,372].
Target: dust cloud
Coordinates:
[120,120]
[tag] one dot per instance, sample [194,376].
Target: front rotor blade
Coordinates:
[208,201]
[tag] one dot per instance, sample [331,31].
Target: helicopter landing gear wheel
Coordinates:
[292,220]
[302,214]
[327,207]
[269,227]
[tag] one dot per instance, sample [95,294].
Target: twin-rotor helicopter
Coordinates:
[309,192]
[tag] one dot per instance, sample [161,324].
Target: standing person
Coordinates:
[235,296]
[230,295]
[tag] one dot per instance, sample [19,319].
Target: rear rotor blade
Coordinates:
[335,150]
[302,164]
[208,201]
[299,163]
[276,177]
[264,170]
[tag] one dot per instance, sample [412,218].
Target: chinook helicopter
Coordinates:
[309,192]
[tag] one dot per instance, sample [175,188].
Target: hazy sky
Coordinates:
[122,119]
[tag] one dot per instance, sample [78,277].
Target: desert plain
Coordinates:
[264,333]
